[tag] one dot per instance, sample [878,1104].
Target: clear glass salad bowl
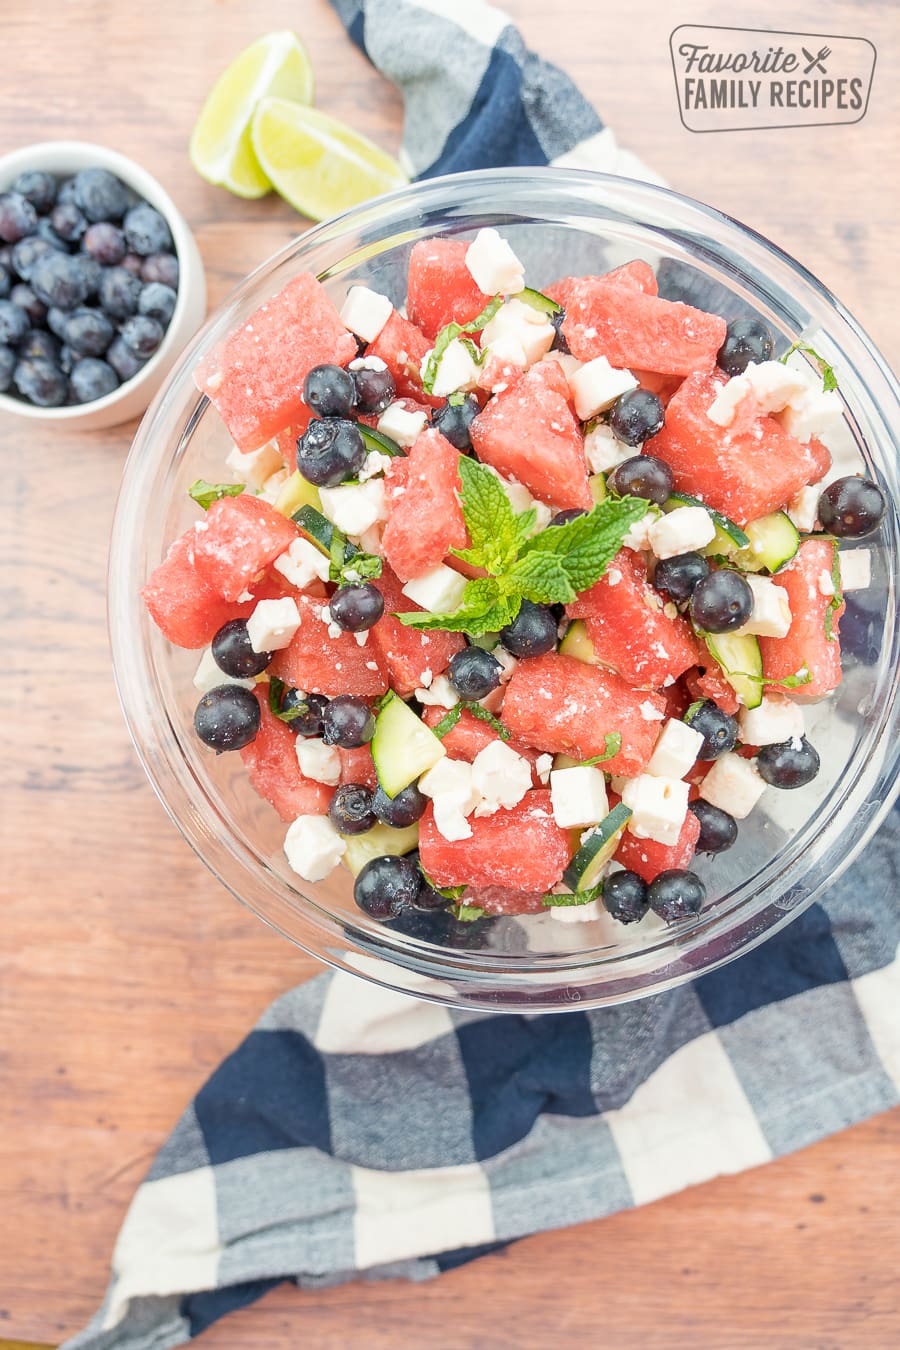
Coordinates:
[793,845]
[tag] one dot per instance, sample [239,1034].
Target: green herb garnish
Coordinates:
[571,897]
[794,681]
[204,494]
[449,334]
[613,744]
[348,567]
[484,716]
[276,694]
[448,721]
[829,379]
[466,913]
[837,599]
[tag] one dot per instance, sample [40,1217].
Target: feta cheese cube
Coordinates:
[302,564]
[402,426]
[771,612]
[368,363]
[439,590]
[676,750]
[272,624]
[271,488]
[209,675]
[543,764]
[775,385]
[450,787]
[774,721]
[603,451]
[521,326]
[638,535]
[456,369]
[683,530]
[856,569]
[658,805]
[376,462]
[597,385]
[726,403]
[365,312]
[578,796]
[437,693]
[254,468]
[313,847]
[588,913]
[493,266]
[813,413]
[354,507]
[803,509]
[317,760]
[569,363]
[734,785]
[507,349]
[501,775]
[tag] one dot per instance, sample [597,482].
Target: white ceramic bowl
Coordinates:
[65,158]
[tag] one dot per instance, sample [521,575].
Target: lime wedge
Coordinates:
[221,149]
[318,164]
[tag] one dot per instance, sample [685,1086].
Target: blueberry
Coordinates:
[675,894]
[120,293]
[718,829]
[26,254]
[454,420]
[56,319]
[350,809]
[746,340]
[347,721]
[146,231]
[88,331]
[158,302]
[790,764]
[41,382]
[643,476]
[233,653]
[105,242]
[46,232]
[356,608]
[718,729]
[330,391]
[852,507]
[559,343]
[91,272]
[374,389]
[58,280]
[100,194]
[474,673]
[401,811]
[25,298]
[7,366]
[68,221]
[67,192]
[13,323]
[625,897]
[570,514]
[309,722]
[386,886]
[161,267]
[38,343]
[678,576]
[6,255]
[123,360]
[721,602]
[636,416]
[5,282]
[532,632]
[17,217]
[92,379]
[330,450]
[68,359]
[227,718]
[133,263]
[142,334]
[37,187]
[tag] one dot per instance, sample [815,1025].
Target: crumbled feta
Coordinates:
[439,590]
[826,583]
[578,796]
[376,462]
[774,721]
[597,385]
[813,413]
[676,750]
[254,468]
[603,451]
[313,847]
[569,364]
[522,327]
[302,564]
[209,675]
[426,679]
[856,569]
[638,536]
[456,370]
[507,661]
[771,612]
[354,507]
[803,509]
[734,785]
[402,426]
[493,266]
[368,363]
[683,530]
[650,712]
[775,385]
[588,913]
[725,404]
[542,765]
[438,693]
[658,807]
[272,624]
[450,787]
[365,312]
[271,488]
[317,760]
[501,776]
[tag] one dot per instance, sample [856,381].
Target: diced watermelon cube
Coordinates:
[287,439]
[425,519]
[470,735]
[254,377]
[648,858]
[636,275]
[184,607]
[237,539]
[271,762]
[629,628]
[707,681]
[502,900]
[633,329]
[558,704]
[522,848]
[405,653]
[402,347]
[441,288]
[806,643]
[743,471]
[319,664]
[530,433]
[358,766]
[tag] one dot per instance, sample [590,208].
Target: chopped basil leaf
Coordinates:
[829,379]
[204,494]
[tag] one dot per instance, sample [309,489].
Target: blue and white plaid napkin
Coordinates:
[362,1132]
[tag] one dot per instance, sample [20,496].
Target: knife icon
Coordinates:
[816,62]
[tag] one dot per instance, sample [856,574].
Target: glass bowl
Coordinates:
[792,846]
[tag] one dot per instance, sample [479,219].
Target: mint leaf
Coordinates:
[693,711]
[829,379]
[837,599]
[612,743]
[571,897]
[466,913]
[794,681]
[489,517]
[450,892]
[352,571]
[484,609]
[204,494]
[542,577]
[448,721]
[587,545]
[484,716]
[276,694]
[525,523]
[456,400]
[336,548]
[449,334]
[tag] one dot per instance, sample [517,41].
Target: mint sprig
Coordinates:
[829,379]
[204,494]
[452,331]
[837,599]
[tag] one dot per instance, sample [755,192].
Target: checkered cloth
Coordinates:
[359,1132]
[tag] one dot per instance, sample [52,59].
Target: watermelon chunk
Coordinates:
[271,763]
[634,329]
[558,704]
[522,848]
[503,900]
[629,628]
[530,433]
[648,858]
[254,377]
[806,643]
[402,347]
[471,735]
[404,652]
[319,664]
[636,275]
[184,607]
[237,539]
[743,471]
[707,681]
[358,766]
[441,288]
[425,519]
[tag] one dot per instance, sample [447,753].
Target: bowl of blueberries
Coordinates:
[101,285]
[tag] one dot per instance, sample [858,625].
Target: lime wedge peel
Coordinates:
[221,148]
[318,164]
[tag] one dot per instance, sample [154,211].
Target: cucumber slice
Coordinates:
[597,484]
[577,644]
[402,747]
[774,539]
[320,531]
[728,528]
[537,300]
[378,842]
[720,546]
[561,761]
[741,662]
[376,440]
[297,491]
[586,867]
[486,641]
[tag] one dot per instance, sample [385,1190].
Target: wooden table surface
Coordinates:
[127,973]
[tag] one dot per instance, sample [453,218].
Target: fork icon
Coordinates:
[816,62]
